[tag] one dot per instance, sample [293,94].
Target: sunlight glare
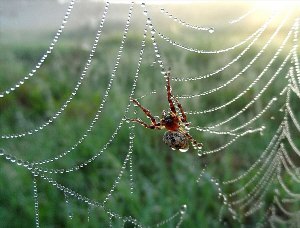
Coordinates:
[276,5]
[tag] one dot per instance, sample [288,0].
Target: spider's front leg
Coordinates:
[146,111]
[154,124]
[150,126]
[169,91]
[181,110]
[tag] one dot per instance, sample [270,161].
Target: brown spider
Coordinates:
[176,135]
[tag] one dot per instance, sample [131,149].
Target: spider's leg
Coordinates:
[193,141]
[180,108]
[151,126]
[169,90]
[146,111]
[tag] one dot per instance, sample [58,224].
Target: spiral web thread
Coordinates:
[268,170]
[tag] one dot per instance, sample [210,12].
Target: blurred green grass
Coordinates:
[164,179]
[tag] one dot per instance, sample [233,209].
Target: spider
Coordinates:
[176,125]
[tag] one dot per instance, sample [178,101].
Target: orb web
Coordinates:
[242,102]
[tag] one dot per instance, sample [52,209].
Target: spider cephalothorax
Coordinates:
[176,136]
[171,122]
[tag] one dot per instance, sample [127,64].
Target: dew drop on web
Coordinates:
[199,147]
[184,149]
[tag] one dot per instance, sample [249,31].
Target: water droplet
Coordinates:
[199,146]
[184,149]
[1,152]
[19,162]
[211,30]
[183,209]
[173,148]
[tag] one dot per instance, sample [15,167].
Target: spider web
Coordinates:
[228,107]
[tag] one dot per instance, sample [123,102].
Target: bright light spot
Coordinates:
[277,5]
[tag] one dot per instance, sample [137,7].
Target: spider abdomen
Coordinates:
[176,140]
